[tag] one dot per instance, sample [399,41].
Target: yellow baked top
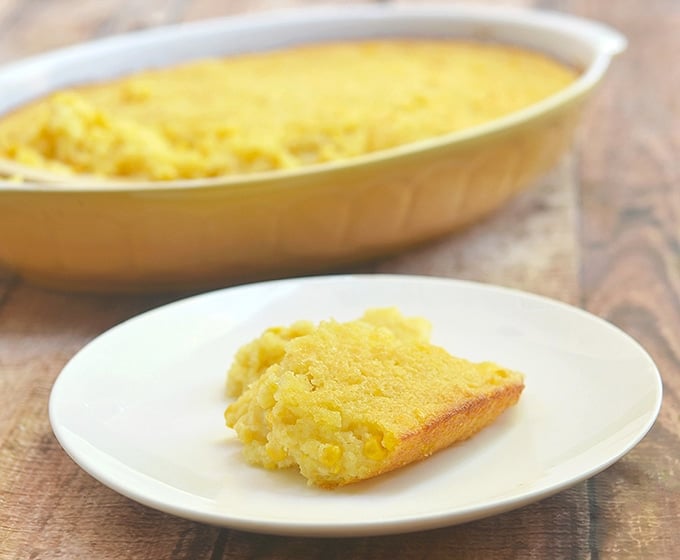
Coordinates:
[348,401]
[276,110]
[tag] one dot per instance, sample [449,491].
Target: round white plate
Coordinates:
[141,407]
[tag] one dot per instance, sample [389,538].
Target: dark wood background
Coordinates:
[602,231]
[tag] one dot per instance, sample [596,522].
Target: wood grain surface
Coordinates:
[602,231]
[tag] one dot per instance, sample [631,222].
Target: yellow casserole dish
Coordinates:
[85,233]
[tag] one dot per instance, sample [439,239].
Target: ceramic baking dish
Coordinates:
[84,234]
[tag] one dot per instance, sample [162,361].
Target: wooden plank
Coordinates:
[35,27]
[601,231]
[630,192]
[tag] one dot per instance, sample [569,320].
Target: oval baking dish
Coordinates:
[87,234]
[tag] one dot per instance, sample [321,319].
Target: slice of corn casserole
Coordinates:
[349,401]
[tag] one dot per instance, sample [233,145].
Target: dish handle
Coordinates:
[604,38]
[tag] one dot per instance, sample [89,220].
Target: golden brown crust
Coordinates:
[453,426]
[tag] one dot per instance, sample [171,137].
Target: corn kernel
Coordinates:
[374,450]
[276,453]
[331,455]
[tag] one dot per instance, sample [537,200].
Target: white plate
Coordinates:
[140,408]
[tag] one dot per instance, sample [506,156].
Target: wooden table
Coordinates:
[601,232]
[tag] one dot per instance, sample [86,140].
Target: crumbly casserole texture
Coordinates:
[276,110]
[344,402]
